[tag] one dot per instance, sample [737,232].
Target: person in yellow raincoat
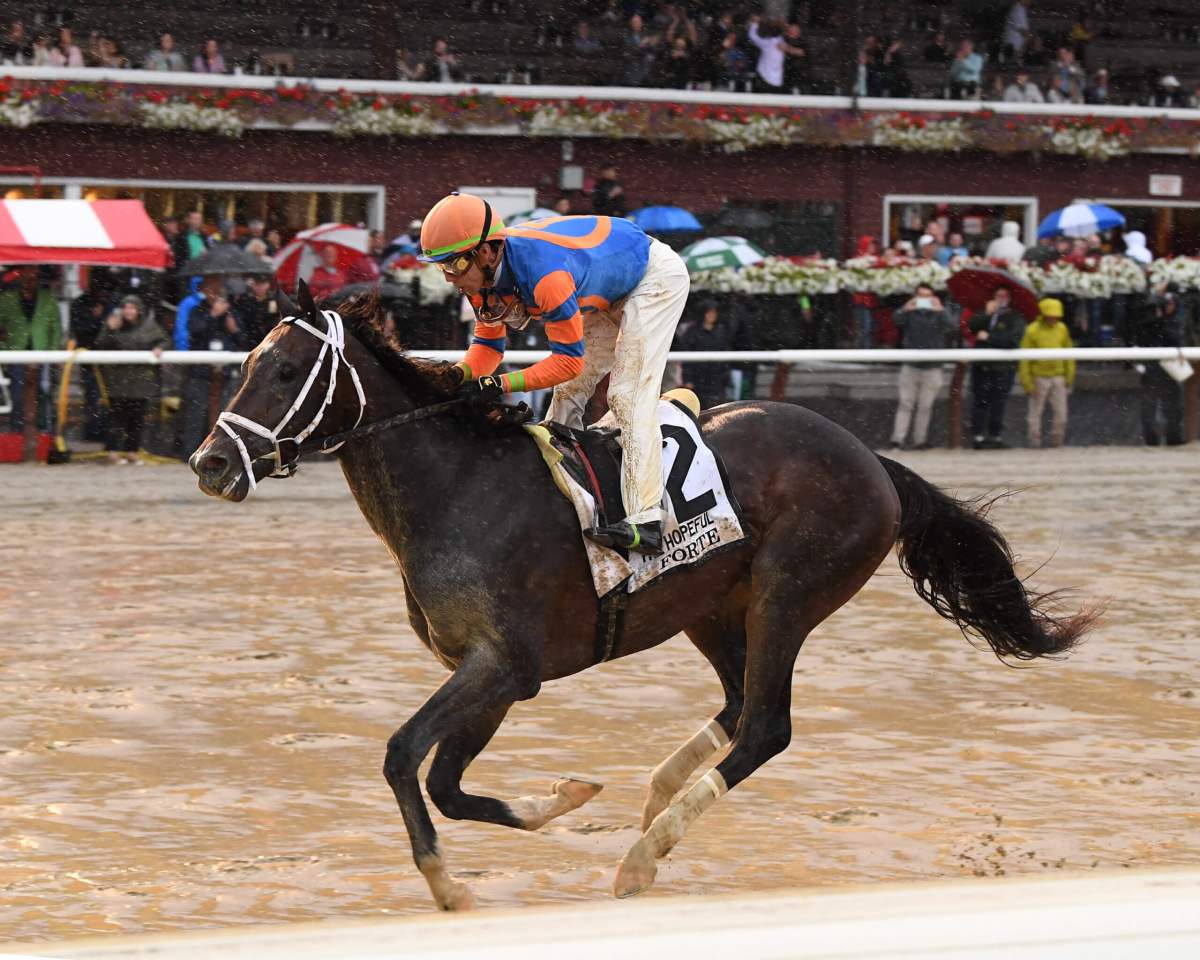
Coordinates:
[1047,380]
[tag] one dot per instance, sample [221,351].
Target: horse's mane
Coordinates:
[362,317]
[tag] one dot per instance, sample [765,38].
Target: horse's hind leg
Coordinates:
[809,568]
[722,640]
[456,752]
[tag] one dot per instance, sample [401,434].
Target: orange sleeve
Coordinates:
[486,350]
[555,300]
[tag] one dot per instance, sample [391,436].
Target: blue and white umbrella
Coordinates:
[665,220]
[1080,220]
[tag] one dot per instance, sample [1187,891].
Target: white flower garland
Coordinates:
[15,112]
[551,121]
[757,131]
[1090,142]
[1182,272]
[934,135]
[363,119]
[191,116]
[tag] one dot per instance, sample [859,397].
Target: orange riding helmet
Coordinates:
[455,228]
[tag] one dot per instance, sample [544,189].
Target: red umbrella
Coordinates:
[973,287]
[300,257]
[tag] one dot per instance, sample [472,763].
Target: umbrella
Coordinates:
[387,290]
[664,220]
[1079,220]
[717,252]
[225,259]
[537,213]
[298,259]
[973,288]
[744,218]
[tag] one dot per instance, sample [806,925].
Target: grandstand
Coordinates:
[517,41]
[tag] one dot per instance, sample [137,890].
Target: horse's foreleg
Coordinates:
[476,689]
[724,645]
[457,751]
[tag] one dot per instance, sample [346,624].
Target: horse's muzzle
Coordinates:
[220,472]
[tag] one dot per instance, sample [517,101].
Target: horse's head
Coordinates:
[299,384]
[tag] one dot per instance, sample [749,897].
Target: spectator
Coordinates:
[1083,32]
[1023,89]
[937,50]
[166,57]
[863,304]
[924,324]
[1008,246]
[712,67]
[678,66]
[256,230]
[207,325]
[1066,79]
[999,327]
[1097,91]
[796,73]
[274,241]
[639,53]
[375,246]
[327,278]
[966,72]
[1043,254]
[110,56]
[679,24]
[1160,326]
[443,65]
[1036,54]
[209,60]
[42,52]
[88,313]
[409,66]
[708,380]
[868,80]
[894,78]
[734,65]
[15,48]
[29,320]
[562,206]
[1169,93]
[608,196]
[584,42]
[65,53]
[954,248]
[130,387]
[927,246]
[772,49]
[257,311]
[1044,380]
[1135,247]
[1016,30]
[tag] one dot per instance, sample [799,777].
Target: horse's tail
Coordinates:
[961,566]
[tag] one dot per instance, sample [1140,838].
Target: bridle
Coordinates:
[333,345]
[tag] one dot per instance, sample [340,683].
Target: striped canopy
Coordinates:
[99,233]
[300,258]
[714,253]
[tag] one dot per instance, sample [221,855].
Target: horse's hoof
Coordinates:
[458,897]
[575,793]
[636,872]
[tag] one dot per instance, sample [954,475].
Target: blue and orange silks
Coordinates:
[561,269]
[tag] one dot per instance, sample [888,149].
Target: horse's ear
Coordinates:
[307,304]
[288,304]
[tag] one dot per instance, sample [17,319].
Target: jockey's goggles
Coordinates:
[458,266]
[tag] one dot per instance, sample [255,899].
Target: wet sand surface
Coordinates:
[197,695]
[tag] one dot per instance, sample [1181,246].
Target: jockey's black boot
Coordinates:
[640,537]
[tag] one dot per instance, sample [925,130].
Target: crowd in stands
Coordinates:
[994,52]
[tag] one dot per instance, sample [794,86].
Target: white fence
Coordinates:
[795,357]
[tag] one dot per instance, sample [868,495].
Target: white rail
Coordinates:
[797,357]
[548,92]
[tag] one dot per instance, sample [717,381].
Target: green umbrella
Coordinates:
[717,252]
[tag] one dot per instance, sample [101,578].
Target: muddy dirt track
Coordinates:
[196,698]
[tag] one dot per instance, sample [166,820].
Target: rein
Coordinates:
[333,441]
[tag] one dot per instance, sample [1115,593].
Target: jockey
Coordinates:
[610,298]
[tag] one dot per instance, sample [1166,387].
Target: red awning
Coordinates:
[102,232]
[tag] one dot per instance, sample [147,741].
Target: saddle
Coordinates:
[592,458]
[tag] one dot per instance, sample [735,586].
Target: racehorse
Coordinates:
[498,586]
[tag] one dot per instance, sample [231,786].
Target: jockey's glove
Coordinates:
[482,392]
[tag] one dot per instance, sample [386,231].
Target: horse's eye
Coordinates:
[287,372]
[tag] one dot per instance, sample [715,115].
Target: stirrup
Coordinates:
[645,538]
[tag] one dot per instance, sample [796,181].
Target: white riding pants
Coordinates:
[631,342]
